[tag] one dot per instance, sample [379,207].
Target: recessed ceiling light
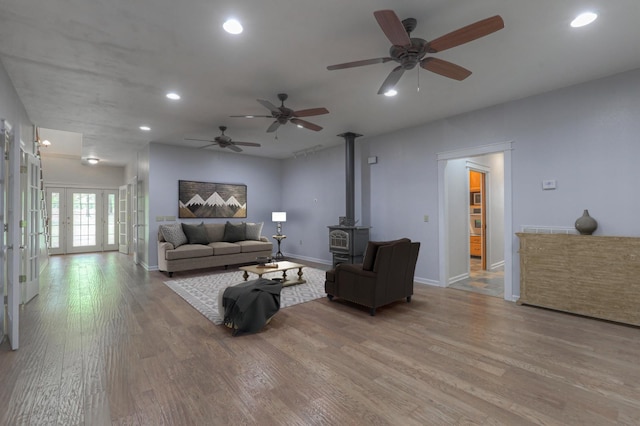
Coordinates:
[173,96]
[145,128]
[391,92]
[232,26]
[46,142]
[584,19]
[92,160]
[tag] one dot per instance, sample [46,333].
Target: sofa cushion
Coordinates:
[173,234]
[253,231]
[234,232]
[249,246]
[215,231]
[187,251]
[196,234]
[372,250]
[222,247]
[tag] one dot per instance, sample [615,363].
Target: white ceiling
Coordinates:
[101,68]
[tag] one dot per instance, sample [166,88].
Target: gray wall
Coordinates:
[169,164]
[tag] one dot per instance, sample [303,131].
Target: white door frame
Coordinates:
[443,235]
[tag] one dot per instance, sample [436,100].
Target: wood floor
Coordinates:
[108,343]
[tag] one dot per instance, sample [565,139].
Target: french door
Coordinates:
[82,220]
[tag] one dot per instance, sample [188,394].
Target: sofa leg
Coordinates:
[330,296]
[372,312]
[170,274]
[408,299]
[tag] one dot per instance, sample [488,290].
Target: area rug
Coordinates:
[202,292]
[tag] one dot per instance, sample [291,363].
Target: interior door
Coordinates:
[55,204]
[31,215]
[123,235]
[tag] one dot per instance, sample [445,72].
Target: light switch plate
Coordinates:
[549,184]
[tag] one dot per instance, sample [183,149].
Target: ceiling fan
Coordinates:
[282,114]
[224,141]
[410,51]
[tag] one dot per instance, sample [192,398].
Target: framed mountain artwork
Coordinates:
[211,200]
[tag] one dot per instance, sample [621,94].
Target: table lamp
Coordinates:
[279,217]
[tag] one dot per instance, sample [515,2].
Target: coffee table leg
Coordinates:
[284,276]
[300,274]
[245,275]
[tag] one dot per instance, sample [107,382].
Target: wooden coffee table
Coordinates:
[283,266]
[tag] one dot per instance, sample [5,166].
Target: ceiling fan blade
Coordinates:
[199,140]
[392,27]
[246,143]
[310,112]
[445,68]
[274,126]
[232,147]
[207,146]
[466,34]
[359,63]
[306,124]
[268,105]
[391,80]
[251,116]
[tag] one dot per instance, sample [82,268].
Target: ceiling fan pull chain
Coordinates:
[418,72]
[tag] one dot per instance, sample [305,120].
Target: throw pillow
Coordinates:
[253,231]
[372,250]
[234,232]
[370,254]
[196,234]
[173,234]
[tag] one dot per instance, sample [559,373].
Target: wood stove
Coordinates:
[348,242]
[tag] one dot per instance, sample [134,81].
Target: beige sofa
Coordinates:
[217,251]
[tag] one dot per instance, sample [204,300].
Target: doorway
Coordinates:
[455,262]
[82,220]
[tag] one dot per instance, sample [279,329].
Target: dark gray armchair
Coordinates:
[386,275]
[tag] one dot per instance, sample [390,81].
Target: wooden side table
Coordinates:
[279,239]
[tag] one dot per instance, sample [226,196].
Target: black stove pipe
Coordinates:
[350,139]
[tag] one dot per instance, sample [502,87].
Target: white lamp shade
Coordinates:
[278,216]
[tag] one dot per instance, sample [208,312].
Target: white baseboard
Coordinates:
[458,278]
[497,265]
[309,259]
[427,281]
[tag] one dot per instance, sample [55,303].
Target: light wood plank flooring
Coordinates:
[108,343]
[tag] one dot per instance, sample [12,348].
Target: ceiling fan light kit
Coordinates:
[409,51]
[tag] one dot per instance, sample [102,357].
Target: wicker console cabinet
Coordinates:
[583,274]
